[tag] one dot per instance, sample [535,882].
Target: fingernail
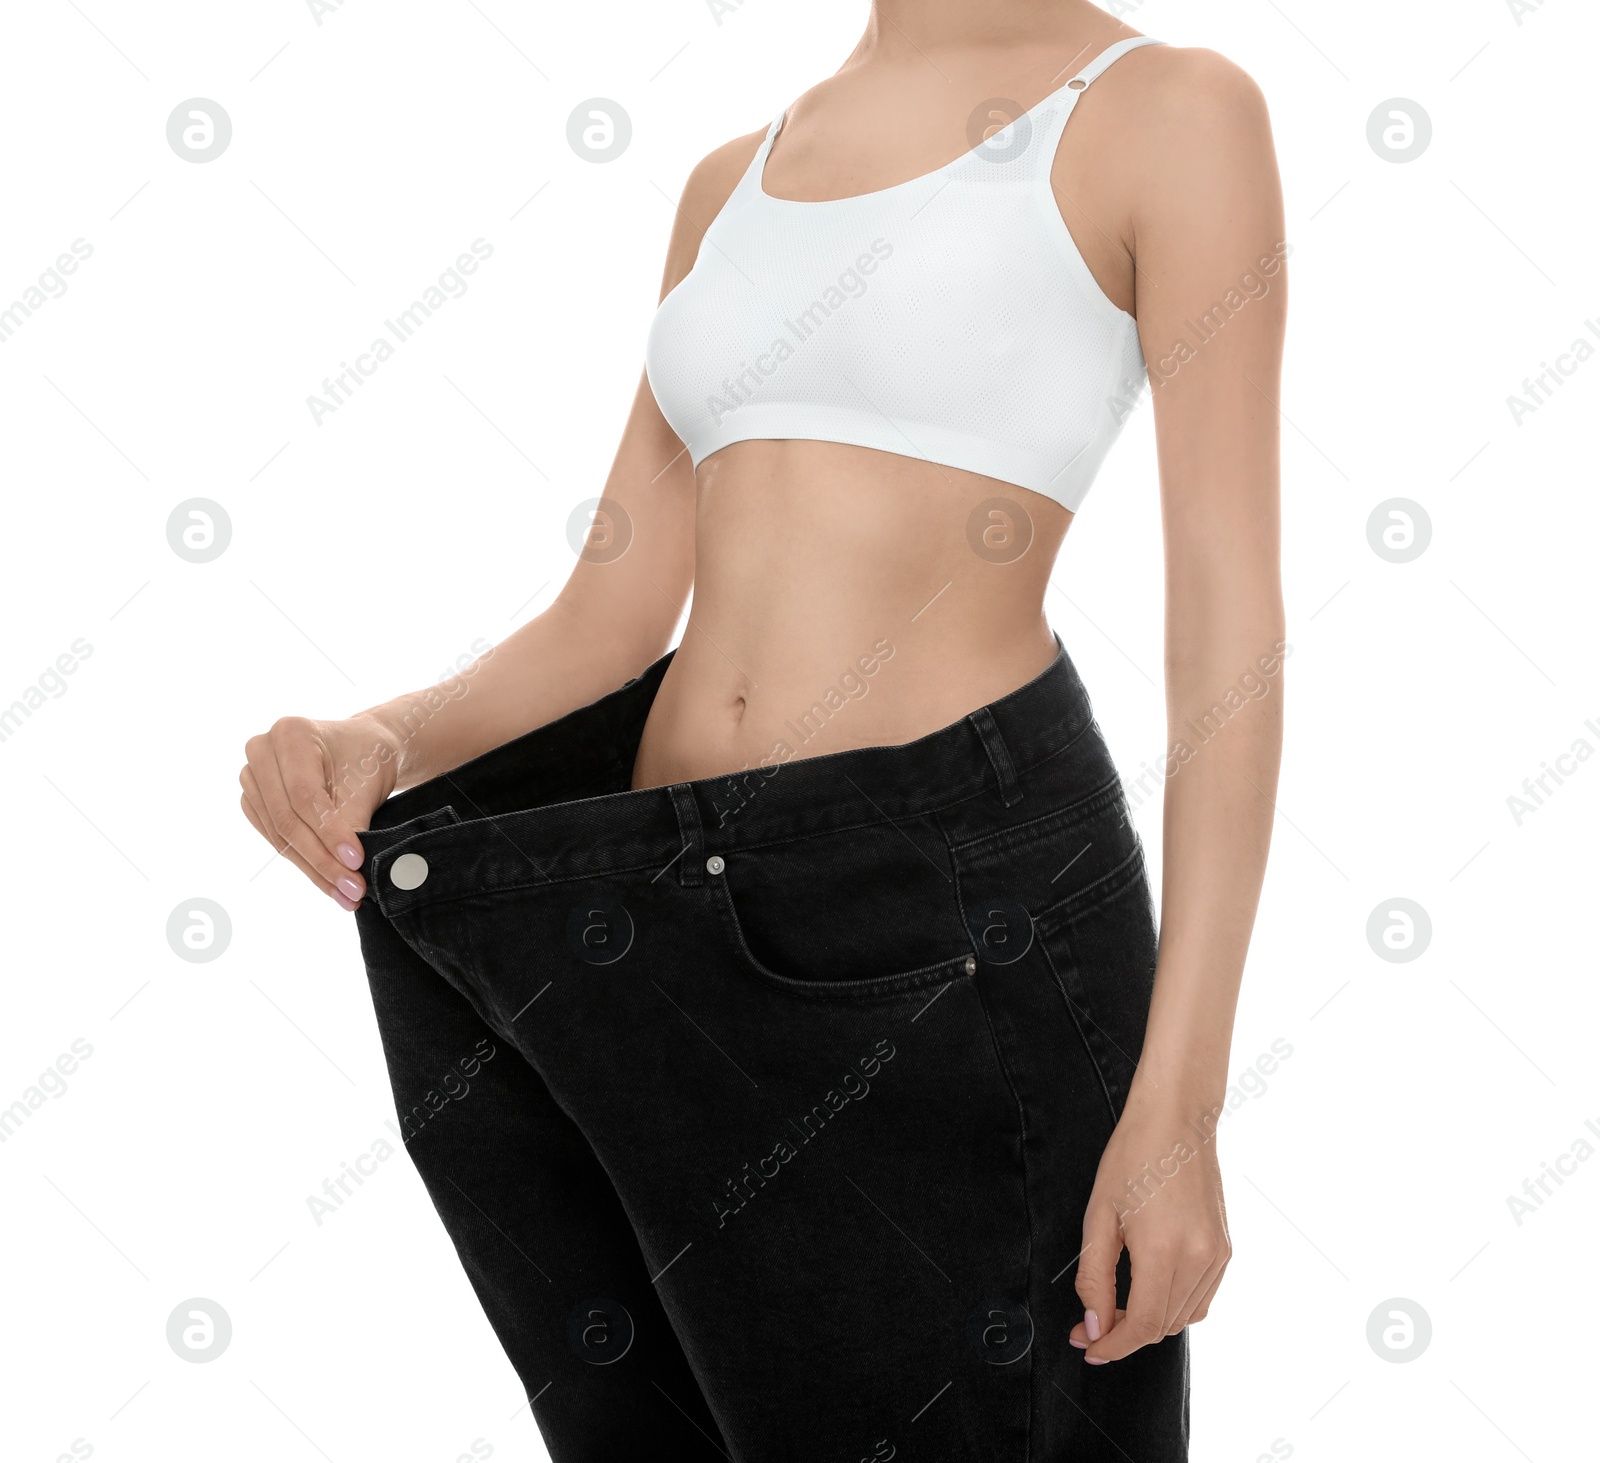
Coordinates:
[341,901]
[349,855]
[349,888]
[1079,1344]
[1097,1360]
[1091,1324]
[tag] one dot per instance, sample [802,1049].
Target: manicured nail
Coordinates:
[341,901]
[349,855]
[1081,1345]
[349,888]
[1097,1360]
[1091,1324]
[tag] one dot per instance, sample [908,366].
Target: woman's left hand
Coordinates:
[1158,1193]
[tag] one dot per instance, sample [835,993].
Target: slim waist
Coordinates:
[555,804]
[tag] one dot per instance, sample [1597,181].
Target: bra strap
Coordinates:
[751,179]
[1107,58]
[1055,111]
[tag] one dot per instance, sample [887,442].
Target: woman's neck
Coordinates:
[900,30]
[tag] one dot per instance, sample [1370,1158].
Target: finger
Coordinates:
[1146,1319]
[1097,1271]
[256,809]
[1189,1282]
[349,806]
[1079,1338]
[1202,1307]
[346,892]
[300,763]
[292,784]
[256,820]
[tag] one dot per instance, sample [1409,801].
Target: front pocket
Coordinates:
[1102,944]
[959,966]
[868,912]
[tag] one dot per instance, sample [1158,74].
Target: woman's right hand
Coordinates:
[310,788]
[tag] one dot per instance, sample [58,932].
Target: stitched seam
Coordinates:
[1083,1036]
[1084,808]
[707,845]
[1022,1157]
[934,809]
[999,755]
[1027,1211]
[1091,803]
[1087,805]
[870,988]
[1068,911]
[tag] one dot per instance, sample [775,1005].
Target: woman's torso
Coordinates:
[840,603]
[848,595]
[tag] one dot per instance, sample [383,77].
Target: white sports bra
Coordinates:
[949,318]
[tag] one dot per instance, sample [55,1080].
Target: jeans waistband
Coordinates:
[554,804]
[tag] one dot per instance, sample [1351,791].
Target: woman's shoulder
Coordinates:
[1183,91]
[708,187]
[1170,130]
[712,180]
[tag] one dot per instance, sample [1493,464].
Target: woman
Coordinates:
[778,1023]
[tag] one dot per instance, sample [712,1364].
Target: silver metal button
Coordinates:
[408,871]
[714,864]
[972,965]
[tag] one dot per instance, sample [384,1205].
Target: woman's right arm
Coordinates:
[310,787]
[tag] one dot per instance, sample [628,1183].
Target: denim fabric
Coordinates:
[763,1110]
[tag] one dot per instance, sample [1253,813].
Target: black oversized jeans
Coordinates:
[763,1110]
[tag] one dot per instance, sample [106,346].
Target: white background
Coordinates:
[369,552]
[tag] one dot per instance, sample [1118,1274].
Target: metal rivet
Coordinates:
[714,864]
[972,965]
[408,871]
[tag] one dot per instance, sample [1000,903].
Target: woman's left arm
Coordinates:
[1205,217]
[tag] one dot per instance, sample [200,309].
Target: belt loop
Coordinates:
[999,758]
[692,863]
